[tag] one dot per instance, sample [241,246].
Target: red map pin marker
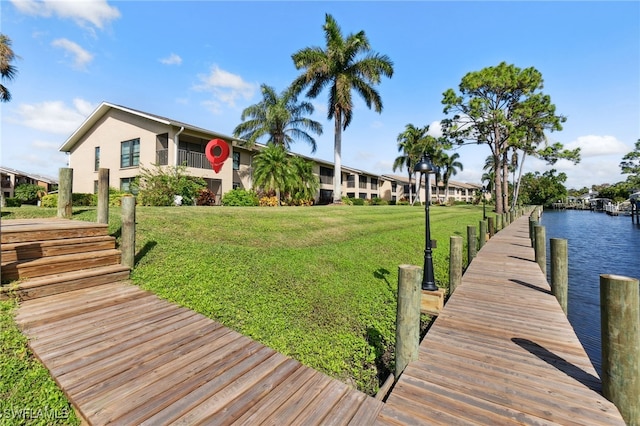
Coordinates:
[217,151]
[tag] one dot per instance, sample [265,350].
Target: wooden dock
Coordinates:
[501,352]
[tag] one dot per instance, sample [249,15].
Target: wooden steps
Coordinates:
[42,257]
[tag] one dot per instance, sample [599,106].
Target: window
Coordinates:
[162,149]
[326,175]
[97,159]
[130,153]
[351,181]
[362,183]
[374,183]
[125,185]
[351,194]
[236,185]
[95,186]
[362,195]
[394,187]
[236,160]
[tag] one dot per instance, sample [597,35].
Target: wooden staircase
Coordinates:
[41,257]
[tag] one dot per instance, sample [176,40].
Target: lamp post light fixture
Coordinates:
[484,203]
[425,166]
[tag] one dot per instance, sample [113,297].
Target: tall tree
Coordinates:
[345,64]
[7,70]
[630,165]
[450,166]
[411,144]
[280,117]
[272,170]
[497,106]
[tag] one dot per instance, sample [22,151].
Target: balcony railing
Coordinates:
[193,159]
[326,180]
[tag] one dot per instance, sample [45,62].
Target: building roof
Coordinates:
[34,176]
[104,107]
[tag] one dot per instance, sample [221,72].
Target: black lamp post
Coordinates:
[425,166]
[484,203]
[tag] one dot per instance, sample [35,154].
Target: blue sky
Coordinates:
[202,62]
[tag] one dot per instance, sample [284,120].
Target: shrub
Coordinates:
[160,185]
[347,201]
[269,201]
[50,200]
[29,193]
[358,201]
[402,203]
[83,200]
[206,198]
[13,202]
[240,197]
[377,201]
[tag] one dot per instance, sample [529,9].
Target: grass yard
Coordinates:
[316,283]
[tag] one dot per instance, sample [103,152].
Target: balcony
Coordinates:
[196,160]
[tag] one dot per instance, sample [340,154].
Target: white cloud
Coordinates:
[435,129]
[95,12]
[54,116]
[225,86]
[80,56]
[172,59]
[592,146]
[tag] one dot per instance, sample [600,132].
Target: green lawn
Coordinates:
[315,283]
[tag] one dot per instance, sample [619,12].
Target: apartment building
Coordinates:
[12,178]
[124,140]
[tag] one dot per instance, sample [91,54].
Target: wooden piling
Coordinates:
[128,236]
[455,262]
[492,226]
[499,226]
[620,329]
[532,235]
[408,316]
[65,193]
[541,248]
[472,242]
[482,234]
[103,195]
[560,271]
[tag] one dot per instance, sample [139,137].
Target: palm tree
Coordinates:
[345,64]
[280,117]
[306,183]
[7,71]
[450,165]
[272,170]
[411,145]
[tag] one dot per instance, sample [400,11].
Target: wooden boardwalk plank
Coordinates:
[501,352]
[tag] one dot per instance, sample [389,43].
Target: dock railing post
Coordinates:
[408,316]
[492,226]
[128,236]
[541,248]
[499,226]
[103,195]
[455,262]
[471,243]
[65,196]
[620,329]
[482,234]
[532,234]
[560,271]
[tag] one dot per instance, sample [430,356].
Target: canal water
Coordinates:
[597,244]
